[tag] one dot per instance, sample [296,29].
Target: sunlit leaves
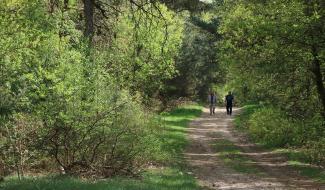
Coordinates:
[267,45]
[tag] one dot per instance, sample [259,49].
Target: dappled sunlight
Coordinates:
[222,159]
[110,94]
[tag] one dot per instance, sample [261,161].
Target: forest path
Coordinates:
[222,158]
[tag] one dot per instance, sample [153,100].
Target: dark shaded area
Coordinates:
[194,6]
[197,64]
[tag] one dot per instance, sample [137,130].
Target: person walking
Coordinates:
[229,102]
[212,99]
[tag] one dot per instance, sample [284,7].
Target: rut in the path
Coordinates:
[213,171]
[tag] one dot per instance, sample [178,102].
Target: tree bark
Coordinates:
[89,18]
[53,5]
[315,33]
[318,77]
[66,4]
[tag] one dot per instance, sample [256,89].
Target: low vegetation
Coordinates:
[168,172]
[82,82]
[291,138]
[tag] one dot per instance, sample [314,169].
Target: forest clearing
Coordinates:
[162,94]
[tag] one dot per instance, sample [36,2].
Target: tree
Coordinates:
[267,47]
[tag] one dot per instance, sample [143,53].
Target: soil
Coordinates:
[213,172]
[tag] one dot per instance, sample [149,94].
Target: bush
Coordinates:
[309,130]
[241,121]
[17,137]
[105,134]
[109,136]
[271,127]
[314,151]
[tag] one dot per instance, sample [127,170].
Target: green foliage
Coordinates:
[315,173]
[314,151]
[306,148]
[169,177]
[241,121]
[266,47]
[33,55]
[62,102]
[270,126]
[142,55]
[174,137]
[273,51]
[274,128]
[197,64]
[77,102]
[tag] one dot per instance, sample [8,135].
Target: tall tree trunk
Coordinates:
[53,5]
[315,32]
[318,77]
[66,4]
[89,18]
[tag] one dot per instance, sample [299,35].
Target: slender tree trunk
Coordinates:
[53,5]
[66,4]
[318,77]
[21,158]
[315,31]
[89,18]
[18,172]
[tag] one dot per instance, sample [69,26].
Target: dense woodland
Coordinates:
[82,82]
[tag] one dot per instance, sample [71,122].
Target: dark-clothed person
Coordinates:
[229,102]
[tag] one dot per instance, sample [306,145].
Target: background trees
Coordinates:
[77,78]
[198,66]
[74,80]
[269,45]
[275,56]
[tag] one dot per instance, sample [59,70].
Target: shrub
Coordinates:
[17,137]
[108,133]
[271,127]
[309,130]
[242,120]
[109,136]
[314,151]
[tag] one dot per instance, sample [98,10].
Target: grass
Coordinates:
[241,121]
[174,136]
[315,173]
[166,179]
[171,177]
[296,159]
[232,156]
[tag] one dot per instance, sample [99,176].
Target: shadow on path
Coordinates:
[222,158]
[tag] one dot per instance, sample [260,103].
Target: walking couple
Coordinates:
[212,98]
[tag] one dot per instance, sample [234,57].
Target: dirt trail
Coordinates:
[212,171]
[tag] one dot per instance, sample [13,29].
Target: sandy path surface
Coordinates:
[213,173]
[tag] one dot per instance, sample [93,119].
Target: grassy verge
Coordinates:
[171,177]
[296,159]
[241,121]
[174,136]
